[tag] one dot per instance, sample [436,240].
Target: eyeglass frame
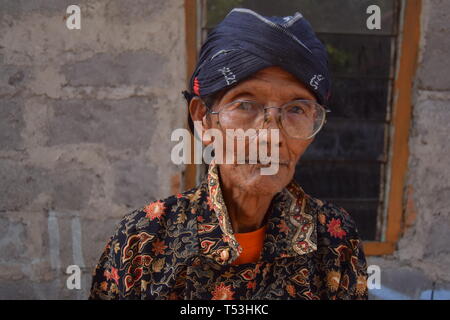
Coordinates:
[208,108]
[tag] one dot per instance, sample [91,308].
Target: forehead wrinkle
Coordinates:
[259,85]
[299,89]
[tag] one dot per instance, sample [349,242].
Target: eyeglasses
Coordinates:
[300,119]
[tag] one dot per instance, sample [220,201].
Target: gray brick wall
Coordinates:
[419,269]
[85,123]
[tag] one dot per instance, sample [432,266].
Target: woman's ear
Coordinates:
[198,112]
[197,109]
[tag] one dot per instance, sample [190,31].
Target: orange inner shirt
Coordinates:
[252,244]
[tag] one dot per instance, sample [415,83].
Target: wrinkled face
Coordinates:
[271,87]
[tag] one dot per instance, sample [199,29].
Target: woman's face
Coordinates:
[272,87]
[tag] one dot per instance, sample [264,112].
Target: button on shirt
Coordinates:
[252,244]
[183,247]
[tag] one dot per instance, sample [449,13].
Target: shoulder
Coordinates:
[155,217]
[341,250]
[145,239]
[335,226]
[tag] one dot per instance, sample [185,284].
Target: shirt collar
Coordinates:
[291,223]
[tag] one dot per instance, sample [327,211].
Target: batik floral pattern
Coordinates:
[183,247]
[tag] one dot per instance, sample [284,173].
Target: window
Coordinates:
[356,160]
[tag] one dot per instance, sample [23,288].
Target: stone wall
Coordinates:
[420,267]
[85,117]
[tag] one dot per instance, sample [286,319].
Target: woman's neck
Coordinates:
[247,211]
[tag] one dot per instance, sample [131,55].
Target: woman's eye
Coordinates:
[296,109]
[244,106]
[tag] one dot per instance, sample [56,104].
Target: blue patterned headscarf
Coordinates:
[246,42]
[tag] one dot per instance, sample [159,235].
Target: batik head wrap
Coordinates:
[246,42]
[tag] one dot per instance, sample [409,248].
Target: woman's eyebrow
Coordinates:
[238,92]
[304,97]
[244,93]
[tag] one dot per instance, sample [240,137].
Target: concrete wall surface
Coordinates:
[420,267]
[85,120]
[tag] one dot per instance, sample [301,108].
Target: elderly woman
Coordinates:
[241,234]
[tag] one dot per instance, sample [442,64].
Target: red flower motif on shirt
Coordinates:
[154,210]
[159,247]
[104,286]
[226,238]
[113,274]
[291,290]
[251,284]
[222,292]
[210,203]
[213,190]
[334,228]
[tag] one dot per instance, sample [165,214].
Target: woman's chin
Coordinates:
[255,180]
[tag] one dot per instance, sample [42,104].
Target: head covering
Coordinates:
[246,42]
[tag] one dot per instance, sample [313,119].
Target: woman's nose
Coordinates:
[272,121]
[272,117]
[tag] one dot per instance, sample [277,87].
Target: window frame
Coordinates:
[405,67]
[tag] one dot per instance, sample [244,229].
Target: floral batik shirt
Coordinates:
[183,247]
